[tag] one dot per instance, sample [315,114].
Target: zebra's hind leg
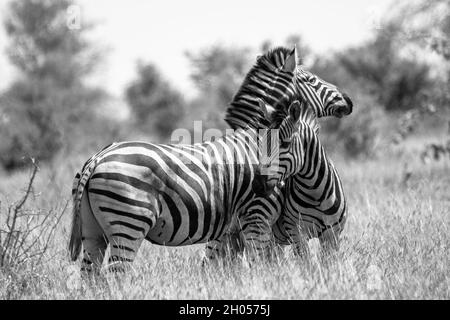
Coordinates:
[126,216]
[124,249]
[126,231]
[93,239]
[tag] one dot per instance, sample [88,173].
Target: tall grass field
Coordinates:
[395,245]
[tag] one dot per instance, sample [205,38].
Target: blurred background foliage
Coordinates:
[153,102]
[399,81]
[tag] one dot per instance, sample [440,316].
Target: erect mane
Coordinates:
[277,56]
[244,110]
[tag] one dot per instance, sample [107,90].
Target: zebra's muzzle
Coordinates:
[346,109]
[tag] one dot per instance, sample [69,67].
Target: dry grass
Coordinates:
[396,246]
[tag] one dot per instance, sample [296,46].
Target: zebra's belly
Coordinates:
[184,222]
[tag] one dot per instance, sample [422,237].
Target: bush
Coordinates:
[52,63]
[154,103]
[25,235]
[27,129]
[358,134]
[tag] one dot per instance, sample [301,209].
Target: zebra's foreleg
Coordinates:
[329,242]
[330,239]
[213,250]
[257,234]
[299,241]
[229,245]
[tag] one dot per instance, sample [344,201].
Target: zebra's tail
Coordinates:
[75,234]
[78,188]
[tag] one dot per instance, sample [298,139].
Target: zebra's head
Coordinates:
[265,178]
[294,126]
[277,77]
[323,97]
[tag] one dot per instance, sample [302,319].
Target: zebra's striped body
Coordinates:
[312,203]
[294,143]
[171,195]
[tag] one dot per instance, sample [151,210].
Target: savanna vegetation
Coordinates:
[392,153]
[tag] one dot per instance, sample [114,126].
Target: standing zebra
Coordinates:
[312,203]
[296,142]
[171,195]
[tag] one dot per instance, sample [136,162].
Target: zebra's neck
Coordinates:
[308,94]
[317,179]
[245,110]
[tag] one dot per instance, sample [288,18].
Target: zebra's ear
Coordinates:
[295,110]
[291,62]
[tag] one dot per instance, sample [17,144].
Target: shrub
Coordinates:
[26,234]
[358,134]
[154,103]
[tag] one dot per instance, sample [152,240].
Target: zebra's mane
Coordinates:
[307,116]
[259,121]
[244,109]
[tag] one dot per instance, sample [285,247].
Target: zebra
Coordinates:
[172,195]
[295,150]
[312,203]
[277,78]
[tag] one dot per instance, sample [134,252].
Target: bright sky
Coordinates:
[162,31]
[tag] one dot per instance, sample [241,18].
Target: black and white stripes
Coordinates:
[277,78]
[171,195]
[312,202]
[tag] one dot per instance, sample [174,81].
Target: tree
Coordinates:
[154,103]
[398,82]
[388,75]
[49,95]
[217,72]
[426,25]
